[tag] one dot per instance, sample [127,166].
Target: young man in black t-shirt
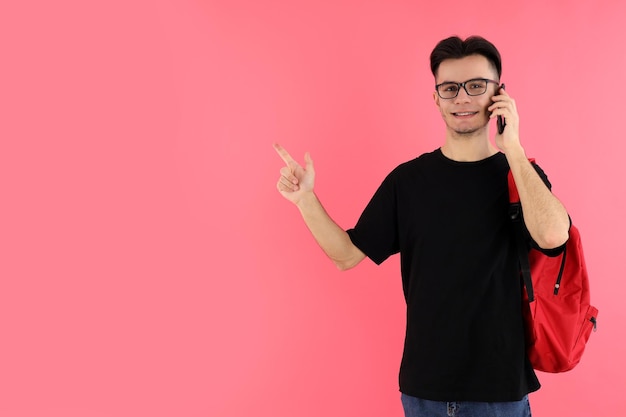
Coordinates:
[446,213]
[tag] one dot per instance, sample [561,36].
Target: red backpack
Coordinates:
[558,315]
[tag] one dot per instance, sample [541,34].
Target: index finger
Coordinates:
[282,152]
[501,95]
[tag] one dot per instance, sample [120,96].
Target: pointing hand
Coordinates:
[295,180]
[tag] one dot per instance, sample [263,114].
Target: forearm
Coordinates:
[333,240]
[545,217]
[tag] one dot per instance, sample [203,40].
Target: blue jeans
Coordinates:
[416,407]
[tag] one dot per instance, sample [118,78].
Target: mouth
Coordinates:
[465,114]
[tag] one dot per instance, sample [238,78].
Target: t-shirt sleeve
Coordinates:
[376,232]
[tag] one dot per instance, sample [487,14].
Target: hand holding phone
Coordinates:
[500,120]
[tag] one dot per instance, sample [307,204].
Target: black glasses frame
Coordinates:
[464,87]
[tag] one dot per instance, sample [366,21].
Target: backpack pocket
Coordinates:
[589,323]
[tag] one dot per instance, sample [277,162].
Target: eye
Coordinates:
[476,85]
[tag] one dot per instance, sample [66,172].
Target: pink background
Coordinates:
[148,265]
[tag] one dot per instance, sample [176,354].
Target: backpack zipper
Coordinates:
[558,278]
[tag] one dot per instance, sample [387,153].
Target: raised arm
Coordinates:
[296,184]
[545,217]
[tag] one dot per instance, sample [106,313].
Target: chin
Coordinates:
[467,131]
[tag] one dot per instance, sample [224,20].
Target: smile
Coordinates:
[465,113]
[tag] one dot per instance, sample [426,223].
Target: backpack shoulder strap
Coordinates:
[515,212]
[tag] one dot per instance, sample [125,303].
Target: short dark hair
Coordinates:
[456,48]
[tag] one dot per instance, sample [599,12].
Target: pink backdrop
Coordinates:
[148,265]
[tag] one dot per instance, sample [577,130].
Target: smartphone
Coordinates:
[501,122]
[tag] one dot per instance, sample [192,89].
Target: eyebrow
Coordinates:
[469,79]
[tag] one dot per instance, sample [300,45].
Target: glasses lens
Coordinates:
[448,90]
[476,87]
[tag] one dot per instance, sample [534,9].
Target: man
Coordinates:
[446,213]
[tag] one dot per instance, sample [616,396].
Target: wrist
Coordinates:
[515,153]
[306,200]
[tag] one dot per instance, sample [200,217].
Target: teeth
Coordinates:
[467,113]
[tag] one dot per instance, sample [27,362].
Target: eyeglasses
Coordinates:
[474,87]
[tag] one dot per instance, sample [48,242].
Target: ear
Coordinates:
[436,100]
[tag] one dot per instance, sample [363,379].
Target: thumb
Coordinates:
[309,162]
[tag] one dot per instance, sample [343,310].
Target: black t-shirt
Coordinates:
[449,221]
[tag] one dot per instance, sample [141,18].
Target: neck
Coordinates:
[468,148]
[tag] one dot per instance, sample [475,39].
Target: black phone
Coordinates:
[501,122]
